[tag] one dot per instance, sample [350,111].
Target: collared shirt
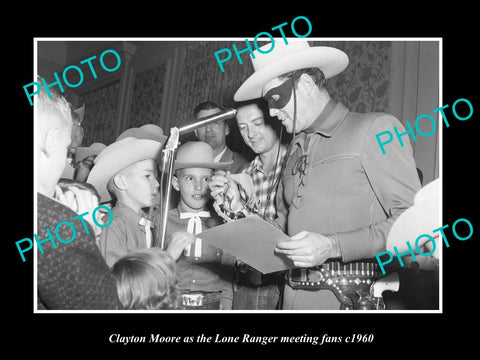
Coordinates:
[220,154]
[211,272]
[239,161]
[123,235]
[338,181]
[266,185]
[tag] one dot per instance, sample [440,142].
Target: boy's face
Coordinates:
[141,182]
[192,184]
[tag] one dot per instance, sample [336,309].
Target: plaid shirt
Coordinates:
[266,185]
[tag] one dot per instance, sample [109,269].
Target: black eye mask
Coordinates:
[279,96]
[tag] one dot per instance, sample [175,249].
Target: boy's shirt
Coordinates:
[124,235]
[211,272]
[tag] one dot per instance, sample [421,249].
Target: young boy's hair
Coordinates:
[146,280]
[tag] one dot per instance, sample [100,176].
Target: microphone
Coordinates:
[223,115]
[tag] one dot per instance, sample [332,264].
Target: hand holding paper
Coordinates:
[306,249]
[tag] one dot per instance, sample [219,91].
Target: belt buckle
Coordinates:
[192,299]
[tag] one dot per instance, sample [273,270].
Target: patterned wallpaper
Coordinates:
[363,86]
[147,96]
[100,114]
[202,79]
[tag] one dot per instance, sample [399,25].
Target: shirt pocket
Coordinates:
[334,158]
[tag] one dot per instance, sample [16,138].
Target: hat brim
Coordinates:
[330,60]
[208,165]
[84,152]
[110,163]
[421,218]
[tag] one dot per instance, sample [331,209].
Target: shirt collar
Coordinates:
[329,119]
[126,210]
[219,156]
[257,165]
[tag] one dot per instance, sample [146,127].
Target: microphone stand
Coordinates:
[167,161]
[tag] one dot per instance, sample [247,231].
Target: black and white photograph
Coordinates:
[269,190]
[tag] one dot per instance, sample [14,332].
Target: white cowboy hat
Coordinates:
[198,154]
[147,131]
[118,156]
[295,55]
[421,218]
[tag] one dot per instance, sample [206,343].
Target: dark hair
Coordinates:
[207,105]
[84,164]
[263,106]
[315,73]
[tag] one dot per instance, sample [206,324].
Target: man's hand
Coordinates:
[225,191]
[81,201]
[178,242]
[307,249]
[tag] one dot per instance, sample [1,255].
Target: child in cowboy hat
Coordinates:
[125,171]
[84,160]
[204,273]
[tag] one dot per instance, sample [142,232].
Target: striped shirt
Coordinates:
[266,185]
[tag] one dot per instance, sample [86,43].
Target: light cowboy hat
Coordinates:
[118,156]
[284,58]
[421,218]
[81,152]
[148,131]
[197,154]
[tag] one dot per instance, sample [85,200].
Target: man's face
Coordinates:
[259,137]
[278,93]
[60,150]
[141,183]
[192,183]
[213,134]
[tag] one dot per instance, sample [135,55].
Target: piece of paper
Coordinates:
[252,240]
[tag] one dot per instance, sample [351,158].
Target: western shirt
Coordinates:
[338,181]
[265,185]
[123,235]
[211,272]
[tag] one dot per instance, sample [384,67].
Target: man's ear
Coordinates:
[227,128]
[120,181]
[49,141]
[306,83]
[175,184]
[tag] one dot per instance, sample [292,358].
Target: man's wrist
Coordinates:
[335,251]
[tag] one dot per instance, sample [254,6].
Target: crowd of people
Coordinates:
[329,188]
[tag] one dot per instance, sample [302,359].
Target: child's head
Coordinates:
[126,170]
[135,185]
[146,280]
[193,168]
[192,183]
